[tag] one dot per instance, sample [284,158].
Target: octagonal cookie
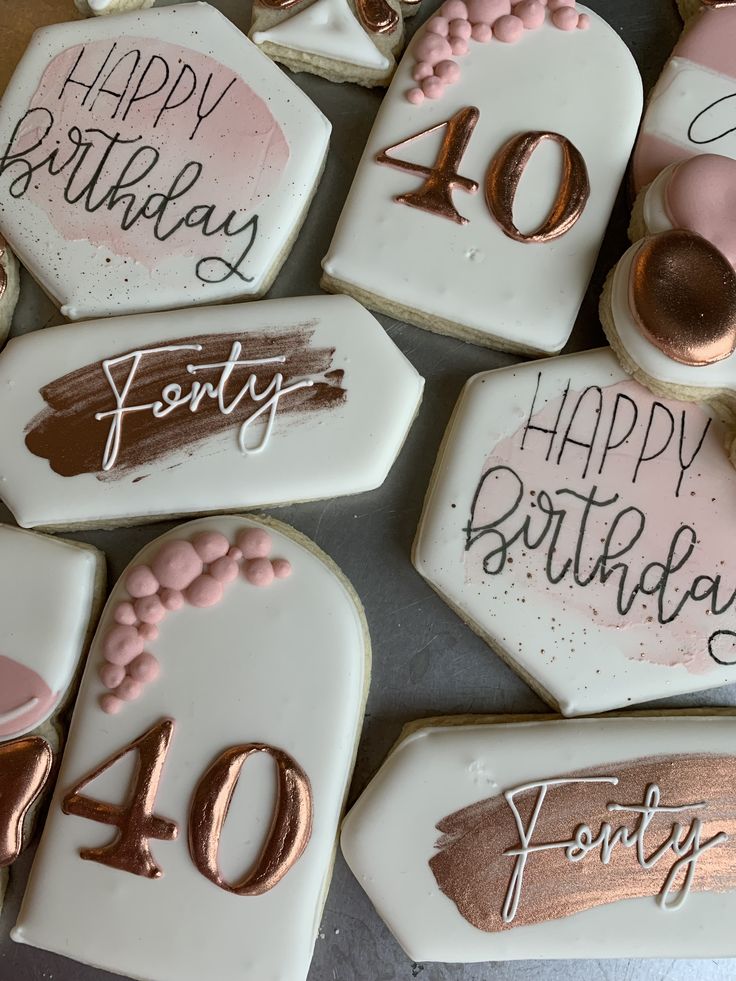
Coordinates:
[154,161]
[576,522]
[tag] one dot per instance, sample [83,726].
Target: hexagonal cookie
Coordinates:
[154,161]
[579,524]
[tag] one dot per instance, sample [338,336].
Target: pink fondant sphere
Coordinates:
[508,29]
[281,568]
[148,631]
[111,675]
[460,28]
[125,614]
[422,70]
[172,599]
[122,644]
[565,19]
[111,704]
[482,33]
[454,10]
[531,13]
[224,569]
[255,543]
[204,591]
[415,96]
[433,88]
[448,71]
[150,609]
[557,4]
[129,690]
[583,22]
[145,668]
[177,565]
[458,46]
[210,545]
[258,572]
[438,25]
[140,581]
[431,48]
[235,553]
[487,11]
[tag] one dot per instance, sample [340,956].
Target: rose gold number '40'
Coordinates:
[502,180]
[291,825]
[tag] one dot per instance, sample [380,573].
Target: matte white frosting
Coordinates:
[390,835]
[720,374]
[570,639]
[46,602]
[656,216]
[582,84]
[328,29]
[88,280]
[344,449]
[284,666]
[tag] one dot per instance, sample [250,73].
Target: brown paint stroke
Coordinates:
[67,434]
[472,870]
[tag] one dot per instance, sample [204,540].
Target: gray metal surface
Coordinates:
[426,662]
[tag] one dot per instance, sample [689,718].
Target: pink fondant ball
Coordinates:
[145,668]
[487,11]
[454,10]
[255,543]
[235,553]
[583,22]
[422,70]
[129,690]
[204,591]
[125,614]
[531,13]
[141,581]
[433,88]
[415,96]
[458,46]
[460,28]
[111,675]
[431,48]
[148,631]
[482,33]
[111,704]
[210,545]
[224,569]
[557,4]
[281,568]
[438,25]
[565,19]
[122,644]
[172,599]
[448,71]
[150,609]
[177,565]
[508,29]
[258,572]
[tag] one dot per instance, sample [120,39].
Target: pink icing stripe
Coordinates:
[652,155]
[448,35]
[20,686]
[711,41]
[181,572]
[701,197]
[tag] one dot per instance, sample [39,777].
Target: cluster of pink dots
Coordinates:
[180,573]
[449,32]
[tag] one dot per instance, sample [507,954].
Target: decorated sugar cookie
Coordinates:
[575,521]
[100,8]
[51,593]
[574,839]
[690,110]
[161,159]
[125,420]
[477,214]
[228,675]
[342,40]
[9,288]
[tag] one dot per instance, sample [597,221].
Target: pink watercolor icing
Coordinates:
[448,35]
[181,572]
[152,93]
[701,196]
[706,501]
[25,698]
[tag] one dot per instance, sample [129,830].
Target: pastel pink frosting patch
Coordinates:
[701,197]
[25,699]
[134,122]
[628,533]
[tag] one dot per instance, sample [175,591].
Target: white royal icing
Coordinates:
[655,363]
[390,835]
[656,216]
[583,85]
[285,666]
[46,602]
[226,155]
[328,29]
[260,451]
[605,604]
